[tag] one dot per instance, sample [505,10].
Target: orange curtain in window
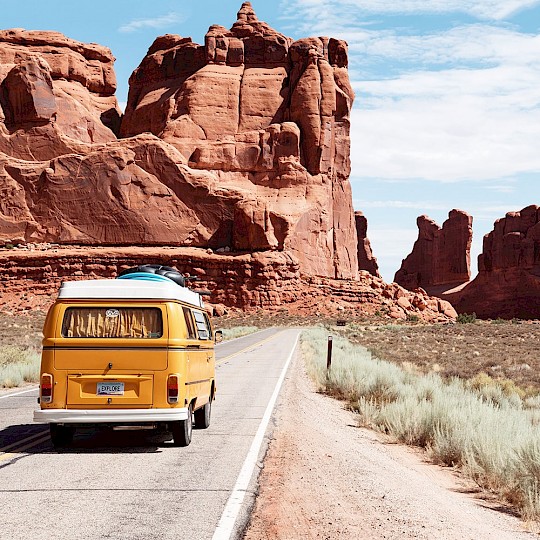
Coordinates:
[112,323]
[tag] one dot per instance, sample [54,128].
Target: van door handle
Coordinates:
[193,346]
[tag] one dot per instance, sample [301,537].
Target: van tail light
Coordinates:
[46,388]
[172,388]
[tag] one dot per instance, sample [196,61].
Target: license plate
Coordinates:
[110,389]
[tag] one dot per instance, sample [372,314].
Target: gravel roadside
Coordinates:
[325,478]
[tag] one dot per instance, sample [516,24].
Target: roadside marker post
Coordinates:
[329,353]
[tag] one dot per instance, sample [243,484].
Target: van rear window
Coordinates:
[110,322]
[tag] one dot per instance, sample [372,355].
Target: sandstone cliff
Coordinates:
[241,143]
[508,281]
[268,280]
[440,258]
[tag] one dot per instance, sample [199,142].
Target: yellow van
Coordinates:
[134,351]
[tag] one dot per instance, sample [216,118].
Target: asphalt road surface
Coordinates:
[135,484]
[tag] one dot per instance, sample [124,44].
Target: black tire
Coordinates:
[202,416]
[61,436]
[183,429]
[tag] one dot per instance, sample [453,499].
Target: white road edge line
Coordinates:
[19,393]
[226,523]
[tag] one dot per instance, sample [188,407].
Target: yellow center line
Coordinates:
[9,446]
[11,455]
[248,348]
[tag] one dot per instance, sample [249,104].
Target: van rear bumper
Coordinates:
[99,416]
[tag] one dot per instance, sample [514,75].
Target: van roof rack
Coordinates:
[124,289]
[155,272]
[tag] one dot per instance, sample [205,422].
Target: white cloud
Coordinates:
[484,44]
[155,22]
[462,122]
[422,206]
[484,9]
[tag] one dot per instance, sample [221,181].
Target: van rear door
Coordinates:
[110,353]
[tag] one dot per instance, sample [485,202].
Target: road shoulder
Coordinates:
[324,477]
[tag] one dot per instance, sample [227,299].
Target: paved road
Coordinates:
[135,485]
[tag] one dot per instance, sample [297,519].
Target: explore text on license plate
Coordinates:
[110,389]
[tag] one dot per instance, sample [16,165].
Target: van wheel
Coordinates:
[182,429]
[202,416]
[61,436]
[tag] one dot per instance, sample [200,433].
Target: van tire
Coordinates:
[182,429]
[61,436]
[202,416]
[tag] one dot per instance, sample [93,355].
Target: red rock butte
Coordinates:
[441,256]
[240,143]
[508,280]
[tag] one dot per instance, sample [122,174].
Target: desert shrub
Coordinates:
[238,331]
[18,365]
[482,426]
[466,318]
[496,390]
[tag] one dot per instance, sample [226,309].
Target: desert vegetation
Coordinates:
[497,352]
[18,365]
[491,434]
[238,331]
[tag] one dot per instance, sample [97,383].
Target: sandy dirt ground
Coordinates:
[325,478]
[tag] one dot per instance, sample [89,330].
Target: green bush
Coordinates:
[483,427]
[466,318]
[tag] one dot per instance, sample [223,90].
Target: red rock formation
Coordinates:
[55,93]
[240,143]
[440,258]
[366,260]
[508,281]
[30,277]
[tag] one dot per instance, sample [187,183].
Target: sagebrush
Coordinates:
[491,433]
[18,365]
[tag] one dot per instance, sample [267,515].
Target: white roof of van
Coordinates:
[117,289]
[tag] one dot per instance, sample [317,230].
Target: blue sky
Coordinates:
[447,111]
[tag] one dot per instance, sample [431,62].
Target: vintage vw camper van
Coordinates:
[133,351]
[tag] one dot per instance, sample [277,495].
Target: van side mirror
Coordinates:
[218,336]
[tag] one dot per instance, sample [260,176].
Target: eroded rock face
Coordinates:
[441,255]
[269,280]
[508,281]
[270,118]
[55,93]
[240,143]
[366,260]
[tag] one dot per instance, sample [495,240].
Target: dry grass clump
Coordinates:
[18,365]
[238,331]
[491,433]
